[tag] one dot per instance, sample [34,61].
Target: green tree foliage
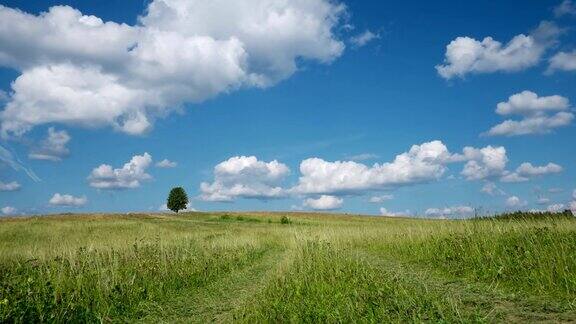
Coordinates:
[177,199]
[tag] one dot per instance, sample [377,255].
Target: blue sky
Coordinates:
[332,88]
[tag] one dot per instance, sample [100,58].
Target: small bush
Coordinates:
[285,220]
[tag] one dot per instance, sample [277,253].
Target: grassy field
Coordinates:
[257,267]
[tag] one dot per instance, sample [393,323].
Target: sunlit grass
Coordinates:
[274,267]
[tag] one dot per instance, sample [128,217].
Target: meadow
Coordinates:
[286,267]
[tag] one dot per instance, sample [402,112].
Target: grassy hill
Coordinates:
[261,267]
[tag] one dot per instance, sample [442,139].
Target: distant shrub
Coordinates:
[285,220]
[225,217]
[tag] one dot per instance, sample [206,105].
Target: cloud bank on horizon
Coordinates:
[325,183]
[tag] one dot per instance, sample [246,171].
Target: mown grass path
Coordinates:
[219,300]
[488,303]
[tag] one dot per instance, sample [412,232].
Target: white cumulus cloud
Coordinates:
[245,177]
[422,163]
[492,189]
[380,199]
[484,163]
[324,202]
[53,148]
[528,103]
[567,7]
[80,70]
[8,210]
[543,201]
[555,208]
[67,200]
[540,115]
[9,186]
[388,213]
[248,177]
[532,125]
[455,211]
[515,202]
[563,61]
[526,171]
[466,55]
[165,164]
[131,175]
[363,38]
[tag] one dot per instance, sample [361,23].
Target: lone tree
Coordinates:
[177,199]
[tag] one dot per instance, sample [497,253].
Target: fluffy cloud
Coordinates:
[67,200]
[540,115]
[3,96]
[9,186]
[380,199]
[532,125]
[515,202]
[245,177]
[563,61]
[79,70]
[324,202]
[456,211]
[8,210]
[425,162]
[60,35]
[466,55]
[574,194]
[53,148]
[528,103]
[526,171]
[248,177]
[74,95]
[567,7]
[166,164]
[492,189]
[543,201]
[130,175]
[363,38]
[484,163]
[386,212]
[555,208]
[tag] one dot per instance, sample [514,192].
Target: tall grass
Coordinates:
[326,283]
[534,257]
[99,285]
[311,268]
